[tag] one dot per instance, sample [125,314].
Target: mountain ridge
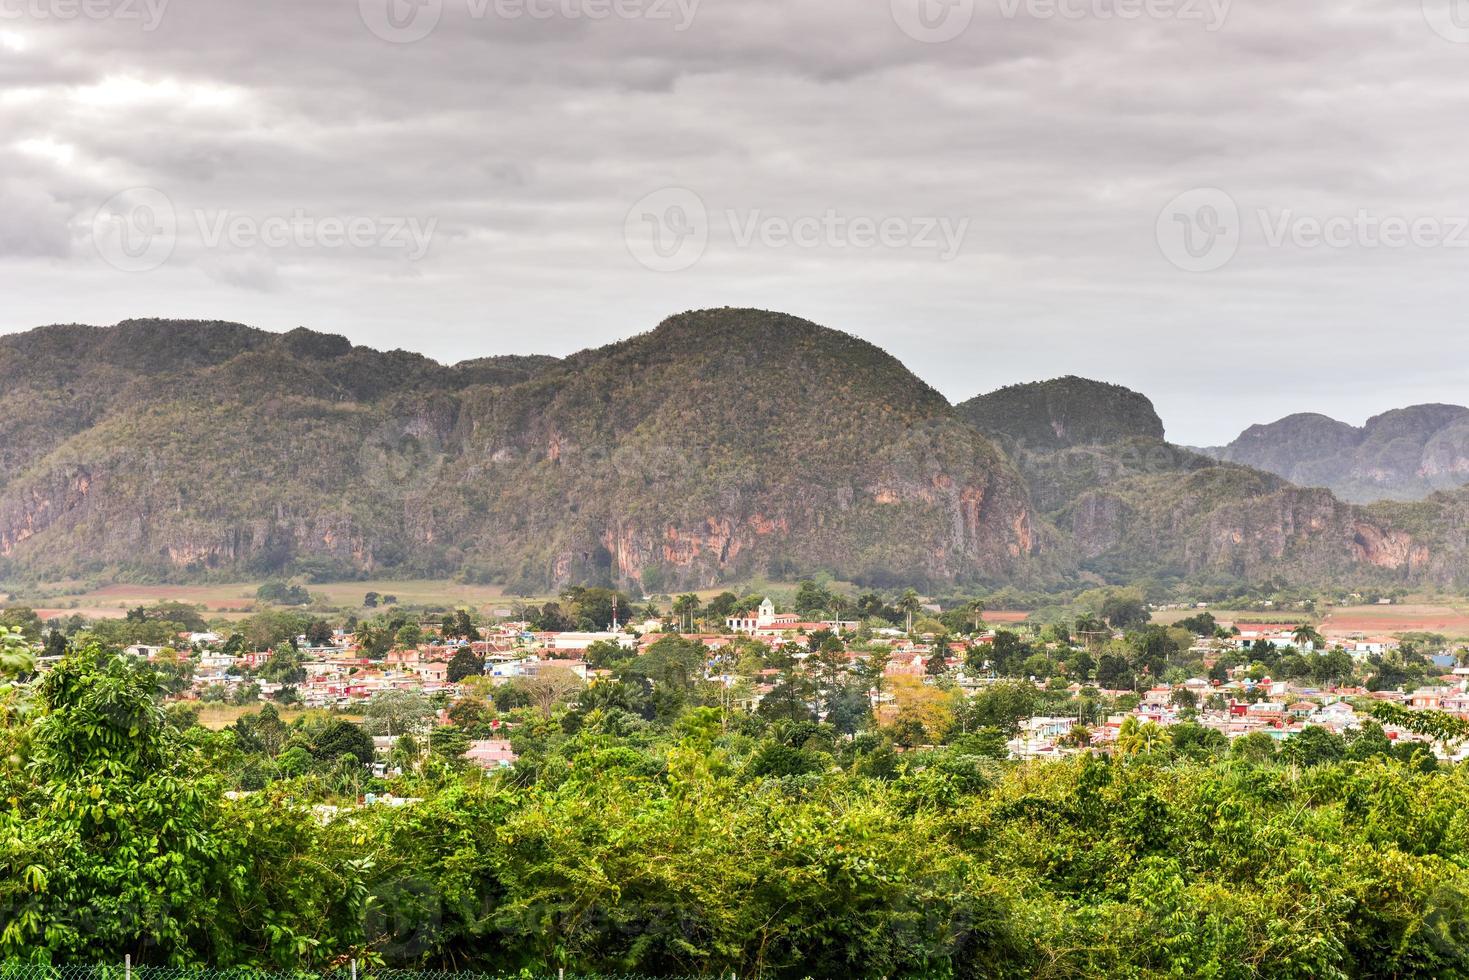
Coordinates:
[720,445]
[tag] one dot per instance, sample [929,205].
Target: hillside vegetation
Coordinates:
[723,445]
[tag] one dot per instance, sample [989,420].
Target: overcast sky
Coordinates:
[994,190]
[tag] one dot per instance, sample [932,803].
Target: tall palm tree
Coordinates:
[909,604]
[976,609]
[686,607]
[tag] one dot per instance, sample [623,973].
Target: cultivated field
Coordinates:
[1342,622]
[1452,621]
[235,600]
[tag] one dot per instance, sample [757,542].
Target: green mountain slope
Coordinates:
[721,445]
[724,443]
[1137,506]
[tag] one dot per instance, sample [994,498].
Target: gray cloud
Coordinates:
[525,143]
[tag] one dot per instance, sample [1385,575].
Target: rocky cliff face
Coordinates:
[1405,454]
[721,445]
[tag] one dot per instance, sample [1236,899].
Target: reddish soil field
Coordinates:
[1397,619]
[1005,616]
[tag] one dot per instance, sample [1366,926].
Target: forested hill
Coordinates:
[721,445]
[1063,413]
[724,443]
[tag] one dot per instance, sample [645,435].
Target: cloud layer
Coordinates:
[578,169]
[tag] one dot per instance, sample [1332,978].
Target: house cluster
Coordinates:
[339,675]
[1278,709]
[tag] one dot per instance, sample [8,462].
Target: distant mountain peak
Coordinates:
[1402,454]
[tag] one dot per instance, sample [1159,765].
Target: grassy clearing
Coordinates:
[233,600]
[219,716]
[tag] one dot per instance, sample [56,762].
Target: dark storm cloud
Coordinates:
[470,192]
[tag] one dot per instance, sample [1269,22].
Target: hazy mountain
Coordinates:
[1405,454]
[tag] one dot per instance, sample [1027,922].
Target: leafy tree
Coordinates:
[1125,612]
[343,738]
[464,663]
[448,742]
[1313,746]
[396,712]
[283,594]
[549,687]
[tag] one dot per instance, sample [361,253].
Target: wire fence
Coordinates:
[124,970]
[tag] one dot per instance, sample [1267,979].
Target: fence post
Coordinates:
[127,966]
[354,969]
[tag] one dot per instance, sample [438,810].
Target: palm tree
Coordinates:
[976,609]
[1091,629]
[1138,738]
[686,607]
[909,604]
[1306,637]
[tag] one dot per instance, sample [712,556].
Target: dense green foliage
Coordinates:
[657,830]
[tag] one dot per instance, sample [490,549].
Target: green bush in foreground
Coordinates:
[683,849]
